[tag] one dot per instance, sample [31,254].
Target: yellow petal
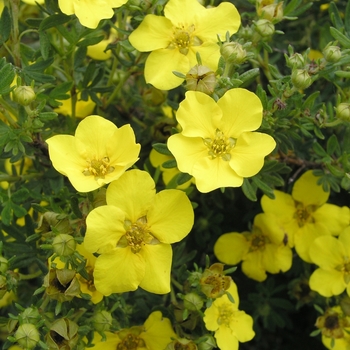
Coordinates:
[66,6]
[209,53]
[183,12]
[110,344]
[158,260]
[170,217]
[198,115]
[103,234]
[327,283]
[160,65]
[226,339]
[242,111]
[253,267]
[153,33]
[210,318]
[33,2]
[230,248]
[283,206]
[327,252]
[307,191]
[247,157]
[242,326]
[270,227]
[133,193]
[119,272]
[217,21]
[277,258]
[97,51]
[344,238]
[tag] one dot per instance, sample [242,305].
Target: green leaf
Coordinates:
[249,191]
[250,75]
[93,40]
[79,56]
[335,16]
[183,178]
[6,214]
[342,74]
[336,34]
[292,5]
[20,195]
[5,25]
[45,44]
[336,171]
[162,148]
[347,18]
[7,75]
[53,21]
[18,210]
[319,150]
[310,101]
[60,91]
[264,187]
[345,182]
[169,164]
[333,145]
[44,116]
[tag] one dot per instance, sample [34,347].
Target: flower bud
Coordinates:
[27,336]
[3,264]
[201,78]
[343,111]
[332,53]
[271,12]
[63,335]
[30,315]
[301,78]
[24,95]
[295,61]
[50,221]
[102,321]
[233,52]
[208,342]
[64,245]
[264,27]
[193,302]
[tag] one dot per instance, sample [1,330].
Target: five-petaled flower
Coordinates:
[332,255]
[186,28]
[90,12]
[99,153]
[155,334]
[216,145]
[230,325]
[305,215]
[134,245]
[263,249]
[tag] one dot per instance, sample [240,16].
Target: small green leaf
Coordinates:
[333,145]
[45,44]
[336,34]
[53,21]
[169,164]
[6,213]
[183,178]
[162,148]
[5,25]
[249,191]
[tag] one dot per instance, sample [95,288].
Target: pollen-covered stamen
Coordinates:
[220,146]
[131,342]
[226,314]
[137,235]
[257,242]
[183,38]
[303,214]
[98,168]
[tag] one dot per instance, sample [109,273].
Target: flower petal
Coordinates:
[160,65]
[242,111]
[209,53]
[307,191]
[242,326]
[327,283]
[198,115]
[277,258]
[170,217]
[223,18]
[119,272]
[283,206]
[270,227]
[153,33]
[133,193]
[252,266]
[211,315]
[66,6]
[230,248]
[181,12]
[226,339]
[157,260]
[344,238]
[247,157]
[103,234]
[109,344]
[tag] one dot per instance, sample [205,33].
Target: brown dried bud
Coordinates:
[63,335]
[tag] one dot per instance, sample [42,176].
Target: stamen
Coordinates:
[183,39]
[221,146]
[98,168]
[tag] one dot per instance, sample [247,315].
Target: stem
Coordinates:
[14,5]
[12,178]
[30,276]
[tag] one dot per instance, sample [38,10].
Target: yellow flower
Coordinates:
[263,249]
[99,153]
[217,146]
[229,324]
[90,12]
[186,28]
[332,255]
[33,2]
[305,214]
[133,233]
[82,108]
[155,334]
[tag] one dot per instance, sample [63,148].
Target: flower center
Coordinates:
[131,342]
[303,214]
[220,146]
[183,39]
[226,314]
[257,242]
[137,235]
[98,168]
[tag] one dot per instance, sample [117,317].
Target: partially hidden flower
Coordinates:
[264,249]
[217,145]
[230,324]
[305,214]
[82,108]
[90,12]
[155,334]
[332,255]
[186,28]
[99,153]
[135,247]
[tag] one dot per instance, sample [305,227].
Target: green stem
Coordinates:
[12,178]
[30,276]
[333,123]
[176,284]
[14,5]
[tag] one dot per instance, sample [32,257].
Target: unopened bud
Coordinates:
[27,336]
[102,321]
[301,78]
[272,12]
[64,245]
[3,264]
[343,111]
[30,315]
[24,95]
[332,53]
[63,334]
[193,302]
[264,27]
[207,342]
[201,78]
[233,52]
[295,61]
